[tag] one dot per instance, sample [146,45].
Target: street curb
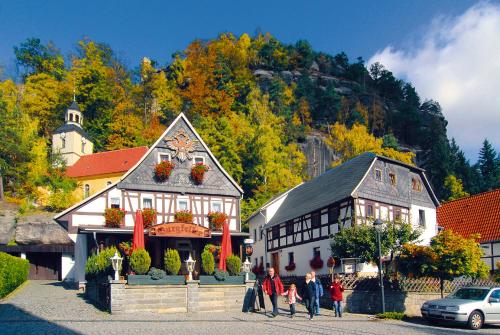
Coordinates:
[16,290]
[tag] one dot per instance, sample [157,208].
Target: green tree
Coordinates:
[455,188]
[488,166]
[36,58]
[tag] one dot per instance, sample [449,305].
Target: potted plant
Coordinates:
[290,267]
[198,173]
[114,217]
[163,170]
[184,216]
[316,263]
[148,217]
[216,219]
[331,262]
[126,248]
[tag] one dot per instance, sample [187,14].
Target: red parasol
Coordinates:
[226,248]
[138,240]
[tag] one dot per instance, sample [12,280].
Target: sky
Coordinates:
[449,49]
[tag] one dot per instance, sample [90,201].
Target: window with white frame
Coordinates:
[163,157]
[421,218]
[216,206]
[147,203]
[115,202]
[182,205]
[198,160]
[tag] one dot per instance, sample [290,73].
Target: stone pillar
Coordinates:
[117,296]
[193,295]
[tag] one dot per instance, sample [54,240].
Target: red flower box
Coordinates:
[290,267]
[198,173]
[331,262]
[148,217]
[217,219]
[114,217]
[316,263]
[163,170]
[184,216]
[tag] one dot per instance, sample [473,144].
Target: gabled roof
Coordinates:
[106,162]
[477,214]
[332,186]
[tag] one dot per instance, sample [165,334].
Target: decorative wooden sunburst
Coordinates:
[182,145]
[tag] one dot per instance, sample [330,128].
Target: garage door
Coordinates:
[44,265]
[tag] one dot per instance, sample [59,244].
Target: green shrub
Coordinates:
[233,265]
[13,272]
[99,266]
[207,262]
[172,261]
[391,315]
[221,274]
[157,274]
[140,261]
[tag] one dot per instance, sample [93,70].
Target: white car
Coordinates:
[473,306]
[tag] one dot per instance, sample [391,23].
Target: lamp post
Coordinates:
[116,261]
[246,268]
[190,267]
[379,226]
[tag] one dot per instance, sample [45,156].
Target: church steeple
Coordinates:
[70,140]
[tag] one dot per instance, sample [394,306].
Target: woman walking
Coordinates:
[336,290]
[309,295]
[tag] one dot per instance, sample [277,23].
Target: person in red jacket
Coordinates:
[336,290]
[273,287]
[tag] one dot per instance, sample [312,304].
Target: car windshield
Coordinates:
[470,294]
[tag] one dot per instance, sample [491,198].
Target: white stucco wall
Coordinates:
[430,229]
[77,269]
[67,267]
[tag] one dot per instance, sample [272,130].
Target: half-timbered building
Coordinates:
[297,226]
[140,189]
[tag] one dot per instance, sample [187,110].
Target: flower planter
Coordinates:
[217,219]
[148,217]
[163,170]
[231,280]
[113,217]
[183,216]
[147,280]
[198,173]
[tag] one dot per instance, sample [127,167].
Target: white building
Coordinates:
[297,225]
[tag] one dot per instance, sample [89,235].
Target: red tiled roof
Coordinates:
[106,162]
[478,214]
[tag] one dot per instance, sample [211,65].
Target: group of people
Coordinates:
[310,294]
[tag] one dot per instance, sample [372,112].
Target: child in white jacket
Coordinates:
[292,295]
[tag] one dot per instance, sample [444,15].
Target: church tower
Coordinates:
[70,140]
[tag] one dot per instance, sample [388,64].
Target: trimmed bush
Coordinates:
[233,265]
[140,261]
[391,315]
[172,261]
[99,266]
[221,274]
[157,274]
[13,272]
[207,262]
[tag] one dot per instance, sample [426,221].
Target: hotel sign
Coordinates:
[177,229]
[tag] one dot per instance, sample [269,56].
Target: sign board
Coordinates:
[178,229]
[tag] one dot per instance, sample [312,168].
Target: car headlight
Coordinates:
[425,305]
[452,308]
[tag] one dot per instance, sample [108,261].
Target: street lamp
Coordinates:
[116,261]
[379,227]
[246,268]
[190,266]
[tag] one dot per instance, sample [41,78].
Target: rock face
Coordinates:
[319,156]
[40,228]
[8,214]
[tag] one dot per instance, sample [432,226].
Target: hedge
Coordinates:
[99,266]
[13,272]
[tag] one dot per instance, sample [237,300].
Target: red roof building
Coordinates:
[103,163]
[477,214]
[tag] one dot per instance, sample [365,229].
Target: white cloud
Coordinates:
[457,63]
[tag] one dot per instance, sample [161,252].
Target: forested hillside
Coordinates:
[253,99]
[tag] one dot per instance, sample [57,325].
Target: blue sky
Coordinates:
[388,30]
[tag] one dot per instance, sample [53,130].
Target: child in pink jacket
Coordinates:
[292,295]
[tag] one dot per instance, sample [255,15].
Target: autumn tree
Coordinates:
[455,188]
[448,256]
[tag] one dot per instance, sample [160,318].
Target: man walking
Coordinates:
[319,292]
[274,288]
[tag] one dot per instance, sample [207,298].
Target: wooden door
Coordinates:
[275,262]
[44,265]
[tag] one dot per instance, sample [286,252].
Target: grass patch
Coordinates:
[391,315]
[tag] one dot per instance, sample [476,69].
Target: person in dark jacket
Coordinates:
[274,288]
[309,295]
[336,290]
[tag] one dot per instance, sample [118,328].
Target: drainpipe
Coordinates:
[95,241]
[265,238]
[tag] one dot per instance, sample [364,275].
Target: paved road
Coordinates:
[43,307]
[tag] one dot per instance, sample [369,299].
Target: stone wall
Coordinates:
[191,297]
[369,302]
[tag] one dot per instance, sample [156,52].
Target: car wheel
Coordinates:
[475,320]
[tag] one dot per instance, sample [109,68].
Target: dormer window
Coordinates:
[162,157]
[416,185]
[378,175]
[198,160]
[392,178]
